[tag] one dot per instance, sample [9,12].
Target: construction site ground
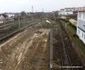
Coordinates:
[27,50]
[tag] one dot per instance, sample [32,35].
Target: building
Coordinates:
[66,11]
[2,19]
[61,12]
[71,11]
[81,25]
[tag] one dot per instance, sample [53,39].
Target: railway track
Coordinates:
[68,56]
[65,57]
[31,41]
[66,61]
[6,34]
[72,56]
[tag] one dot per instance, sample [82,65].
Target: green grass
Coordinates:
[77,41]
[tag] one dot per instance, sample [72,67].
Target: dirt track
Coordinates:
[28,50]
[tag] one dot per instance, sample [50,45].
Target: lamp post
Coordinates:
[51,45]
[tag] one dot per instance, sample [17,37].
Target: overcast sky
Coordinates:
[39,5]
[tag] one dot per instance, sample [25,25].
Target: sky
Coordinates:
[38,5]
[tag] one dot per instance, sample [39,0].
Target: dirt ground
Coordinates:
[28,50]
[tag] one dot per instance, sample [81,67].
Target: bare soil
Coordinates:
[28,50]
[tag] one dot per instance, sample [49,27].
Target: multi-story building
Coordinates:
[66,11]
[70,11]
[81,25]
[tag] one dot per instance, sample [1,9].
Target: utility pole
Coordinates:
[42,9]
[51,47]
[32,9]
[32,13]
[19,20]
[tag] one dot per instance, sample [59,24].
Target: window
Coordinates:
[82,35]
[79,15]
[78,31]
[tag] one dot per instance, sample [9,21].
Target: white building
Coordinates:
[66,11]
[70,11]
[81,25]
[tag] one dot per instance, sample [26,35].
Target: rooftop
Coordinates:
[82,11]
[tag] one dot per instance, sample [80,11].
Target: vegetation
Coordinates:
[45,25]
[76,40]
[72,16]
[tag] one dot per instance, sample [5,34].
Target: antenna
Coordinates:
[42,9]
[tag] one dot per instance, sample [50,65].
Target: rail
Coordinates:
[16,31]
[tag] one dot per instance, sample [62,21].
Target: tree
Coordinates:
[5,15]
[23,13]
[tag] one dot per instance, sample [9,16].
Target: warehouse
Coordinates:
[81,25]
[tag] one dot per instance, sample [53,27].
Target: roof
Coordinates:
[2,17]
[61,9]
[82,11]
[70,8]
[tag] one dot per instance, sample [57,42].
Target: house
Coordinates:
[81,25]
[2,19]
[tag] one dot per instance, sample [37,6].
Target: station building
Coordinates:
[81,25]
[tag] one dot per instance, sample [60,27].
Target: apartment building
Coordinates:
[81,25]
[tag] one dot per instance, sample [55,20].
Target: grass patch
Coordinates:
[77,41]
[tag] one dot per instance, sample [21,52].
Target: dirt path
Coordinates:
[28,50]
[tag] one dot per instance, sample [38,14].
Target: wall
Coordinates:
[81,26]
[65,13]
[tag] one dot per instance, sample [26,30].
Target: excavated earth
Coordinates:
[28,50]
